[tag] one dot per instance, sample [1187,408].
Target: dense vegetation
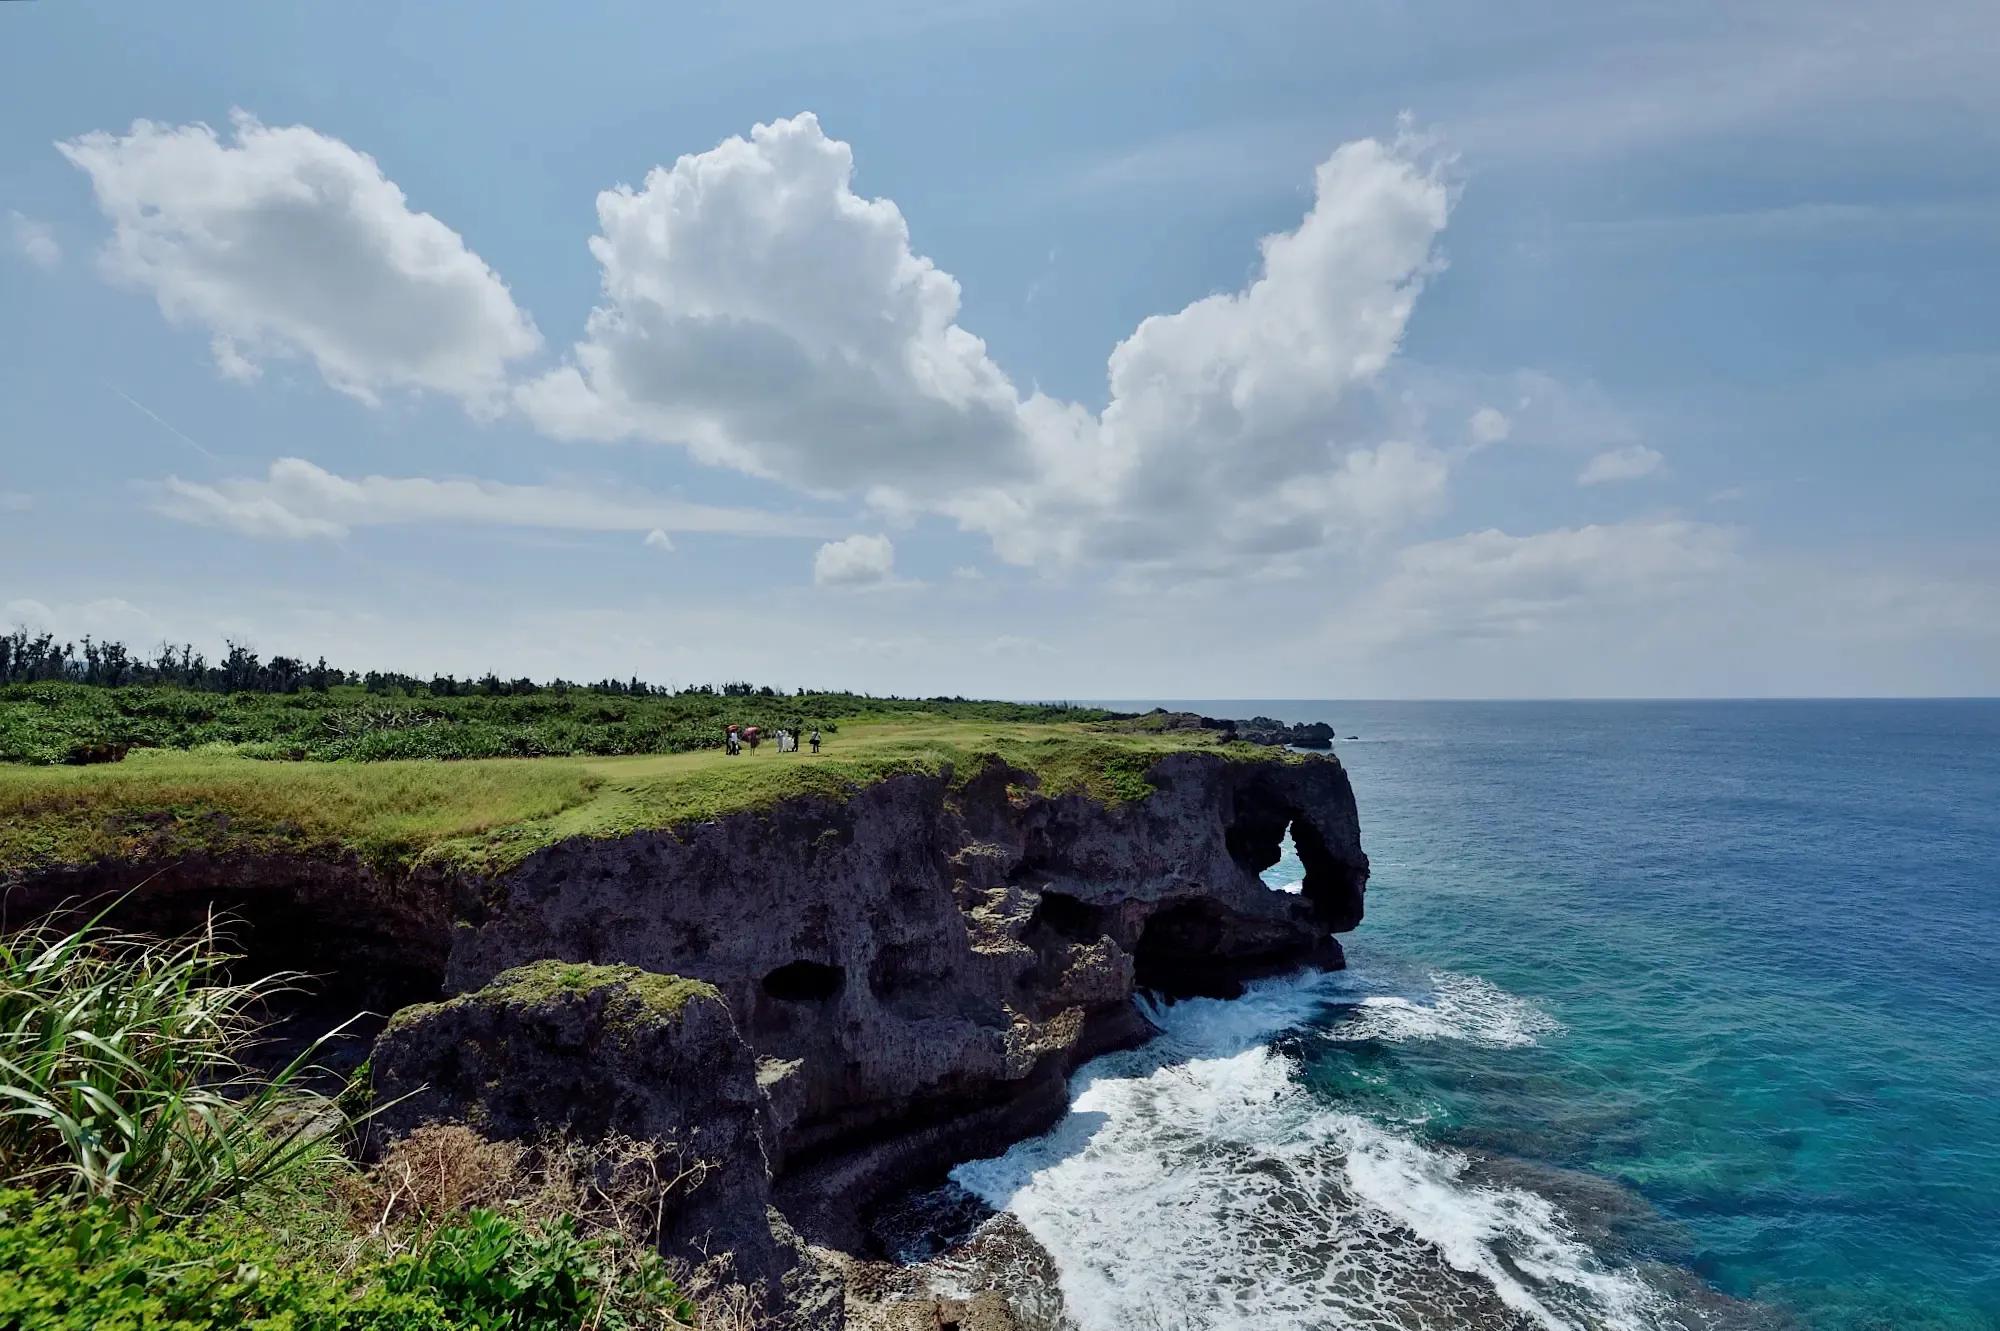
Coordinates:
[149,1179]
[69,722]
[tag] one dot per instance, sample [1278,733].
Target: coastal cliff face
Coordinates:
[917,969]
[916,956]
[880,986]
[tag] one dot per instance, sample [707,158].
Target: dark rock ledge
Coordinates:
[827,1002]
[1264,730]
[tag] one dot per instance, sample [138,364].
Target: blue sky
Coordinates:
[1622,349]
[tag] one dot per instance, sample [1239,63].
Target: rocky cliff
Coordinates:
[884,985]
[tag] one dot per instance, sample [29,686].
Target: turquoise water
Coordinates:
[1663,1015]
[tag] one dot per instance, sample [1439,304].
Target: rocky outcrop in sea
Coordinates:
[1265,730]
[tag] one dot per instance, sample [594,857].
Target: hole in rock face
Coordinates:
[1259,825]
[805,982]
[1334,887]
[1256,839]
[1067,917]
[1275,877]
[1178,955]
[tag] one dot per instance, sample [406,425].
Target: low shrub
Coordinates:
[490,1273]
[92,1268]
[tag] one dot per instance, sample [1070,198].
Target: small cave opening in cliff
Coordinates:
[1176,954]
[1287,874]
[1067,917]
[348,962]
[805,982]
[348,967]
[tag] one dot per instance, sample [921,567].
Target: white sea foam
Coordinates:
[1516,1242]
[1457,1007]
[1196,1185]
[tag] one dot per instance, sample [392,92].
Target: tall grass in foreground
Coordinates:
[151,1178]
[122,1076]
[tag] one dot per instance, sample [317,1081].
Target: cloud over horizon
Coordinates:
[758,313]
[1490,584]
[33,240]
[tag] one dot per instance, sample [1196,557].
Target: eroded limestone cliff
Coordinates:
[887,984]
[917,969]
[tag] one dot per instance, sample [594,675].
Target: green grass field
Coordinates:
[491,813]
[61,722]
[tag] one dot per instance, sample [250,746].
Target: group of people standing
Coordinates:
[736,737]
[788,741]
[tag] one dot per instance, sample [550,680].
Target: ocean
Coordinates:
[1664,1015]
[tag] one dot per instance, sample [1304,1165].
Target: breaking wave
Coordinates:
[1455,1007]
[1197,1184]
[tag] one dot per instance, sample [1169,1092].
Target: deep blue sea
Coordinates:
[1663,1015]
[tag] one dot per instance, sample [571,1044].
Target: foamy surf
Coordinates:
[1454,1007]
[1196,1185]
[1445,1007]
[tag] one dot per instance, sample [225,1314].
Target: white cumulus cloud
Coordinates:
[1620,464]
[286,242]
[760,312]
[1243,426]
[659,540]
[858,561]
[297,499]
[35,241]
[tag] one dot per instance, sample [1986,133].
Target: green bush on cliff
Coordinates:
[149,1181]
[93,1268]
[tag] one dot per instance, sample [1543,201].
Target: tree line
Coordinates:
[37,658]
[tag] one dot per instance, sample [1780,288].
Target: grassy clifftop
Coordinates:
[491,813]
[55,722]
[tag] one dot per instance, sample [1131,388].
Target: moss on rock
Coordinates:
[662,995]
